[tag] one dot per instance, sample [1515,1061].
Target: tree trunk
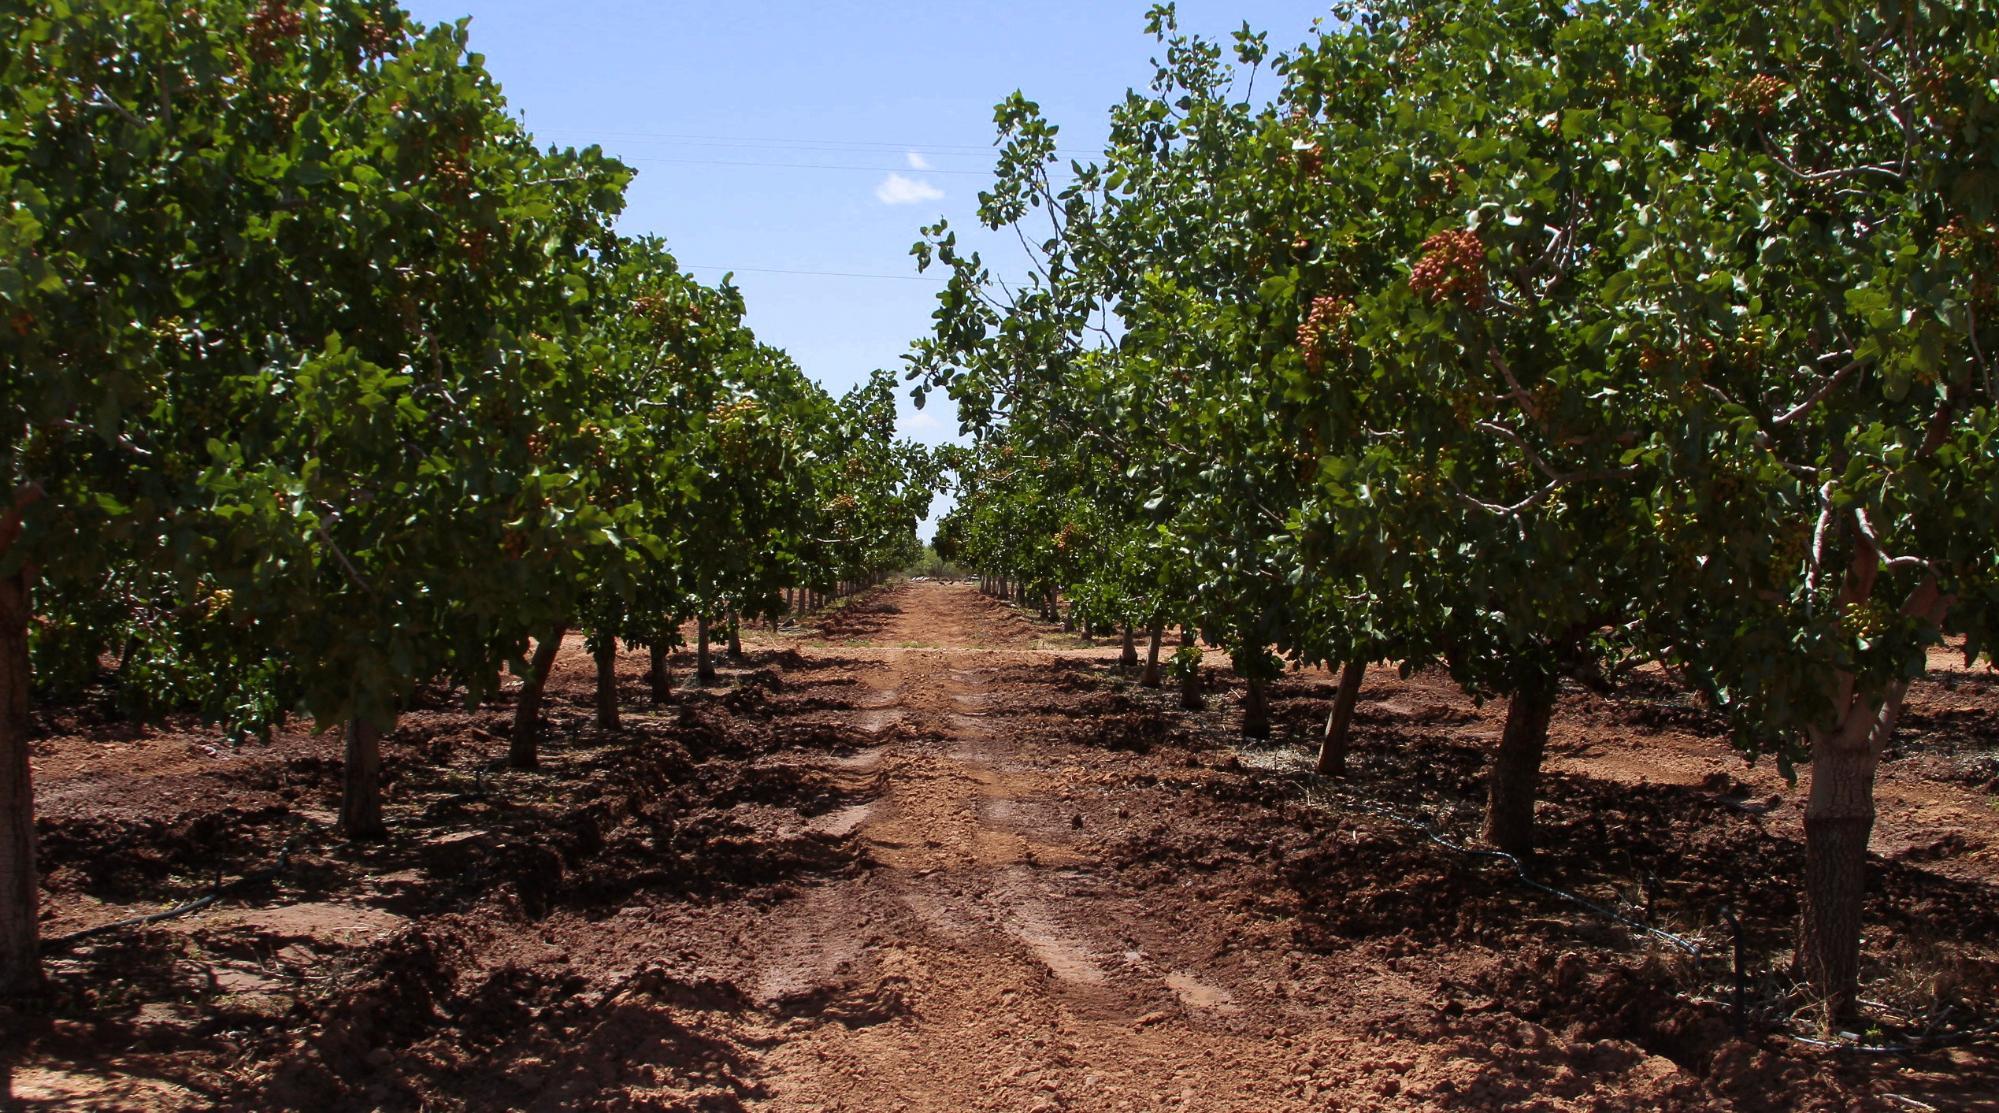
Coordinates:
[607,684]
[1256,707]
[735,636]
[361,782]
[1339,724]
[1190,681]
[1150,677]
[1516,768]
[1129,658]
[524,748]
[20,945]
[1839,806]
[1839,819]
[704,662]
[659,672]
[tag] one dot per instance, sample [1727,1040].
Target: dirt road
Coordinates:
[1007,968]
[929,854]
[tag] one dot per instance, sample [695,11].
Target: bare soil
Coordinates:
[929,853]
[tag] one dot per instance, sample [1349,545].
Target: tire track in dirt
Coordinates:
[989,963]
[926,856]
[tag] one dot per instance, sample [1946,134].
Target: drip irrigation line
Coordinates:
[1679,942]
[1909,1047]
[61,943]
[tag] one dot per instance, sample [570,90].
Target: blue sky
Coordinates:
[792,136]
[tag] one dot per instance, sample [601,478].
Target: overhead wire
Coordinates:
[814,273]
[656,159]
[800,143]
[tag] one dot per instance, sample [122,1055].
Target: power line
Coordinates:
[845,144]
[644,159]
[815,274]
[814,148]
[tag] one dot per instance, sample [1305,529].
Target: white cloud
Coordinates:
[898,190]
[925,426]
[917,422]
[918,162]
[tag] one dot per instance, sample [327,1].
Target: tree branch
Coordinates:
[1831,384]
[1887,563]
[25,496]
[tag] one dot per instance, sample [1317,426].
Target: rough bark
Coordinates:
[524,747]
[1516,767]
[20,945]
[361,782]
[659,672]
[1339,723]
[1256,707]
[1839,806]
[607,684]
[1190,681]
[1839,820]
[704,661]
[1150,677]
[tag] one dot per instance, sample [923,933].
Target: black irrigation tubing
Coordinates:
[61,943]
[1688,946]
[1680,942]
[1912,1047]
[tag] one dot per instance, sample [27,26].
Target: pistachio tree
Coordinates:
[283,285]
[1812,304]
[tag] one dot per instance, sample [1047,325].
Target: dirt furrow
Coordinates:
[983,918]
[926,853]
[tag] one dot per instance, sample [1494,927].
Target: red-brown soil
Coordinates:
[930,854]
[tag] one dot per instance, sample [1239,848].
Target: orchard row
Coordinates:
[1541,341]
[320,380]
